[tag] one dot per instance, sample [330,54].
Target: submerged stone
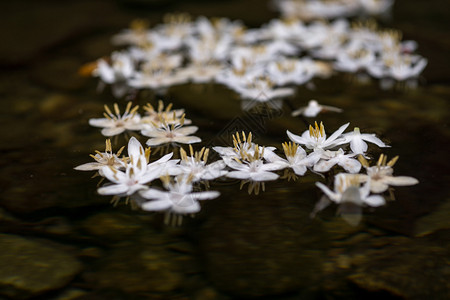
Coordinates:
[262,245]
[29,268]
[134,268]
[411,269]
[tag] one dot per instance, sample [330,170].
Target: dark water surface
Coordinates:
[60,240]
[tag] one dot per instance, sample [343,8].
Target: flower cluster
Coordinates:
[330,9]
[132,176]
[162,125]
[260,63]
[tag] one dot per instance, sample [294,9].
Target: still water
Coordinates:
[61,240]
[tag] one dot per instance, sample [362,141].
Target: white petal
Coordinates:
[92,166]
[357,145]
[350,165]
[331,195]
[158,141]
[264,176]
[336,134]
[135,149]
[324,165]
[156,205]
[101,122]
[375,200]
[299,170]
[238,174]
[205,195]
[113,189]
[112,131]
[296,138]
[401,180]
[153,194]
[186,130]
[187,139]
[191,209]
[373,139]
[378,186]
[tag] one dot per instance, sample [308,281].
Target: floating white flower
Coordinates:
[316,138]
[356,140]
[331,158]
[347,189]
[170,133]
[313,109]
[241,145]
[196,165]
[296,158]
[138,172]
[178,198]
[381,175]
[154,116]
[290,71]
[252,167]
[158,73]
[103,159]
[349,196]
[262,89]
[114,124]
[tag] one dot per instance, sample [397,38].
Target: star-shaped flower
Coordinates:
[313,109]
[178,198]
[356,140]
[102,159]
[331,158]
[170,133]
[381,174]
[114,124]
[138,172]
[316,138]
[296,158]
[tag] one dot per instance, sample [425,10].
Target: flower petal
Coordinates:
[158,141]
[156,205]
[187,139]
[205,195]
[264,176]
[187,130]
[374,200]
[296,138]
[113,189]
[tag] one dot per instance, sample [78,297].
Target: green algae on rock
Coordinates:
[30,268]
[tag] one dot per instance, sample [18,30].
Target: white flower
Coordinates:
[114,124]
[196,165]
[316,138]
[349,196]
[331,158]
[252,167]
[159,72]
[137,171]
[178,199]
[288,70]
[381,175]
[242,145]
[313,109]
[171,133]
[107,158]
[116,73]
[154,116]
[354,59]
[262,89]
[200,73]
[356,140]
[120,69]
[296,158]
[346,189]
